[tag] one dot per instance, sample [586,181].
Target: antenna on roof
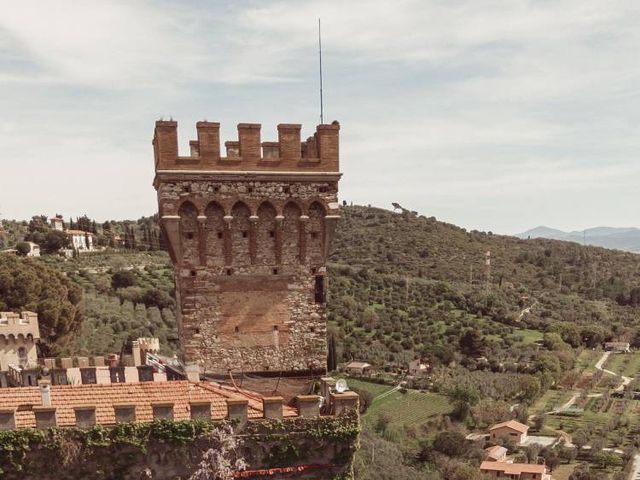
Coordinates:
[320,58]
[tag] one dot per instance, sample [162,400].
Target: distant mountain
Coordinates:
[627,239]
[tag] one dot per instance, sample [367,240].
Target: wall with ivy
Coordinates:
[172,450]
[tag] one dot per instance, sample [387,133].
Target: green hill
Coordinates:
[404,285]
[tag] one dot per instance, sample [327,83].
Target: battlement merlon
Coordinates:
[318,154]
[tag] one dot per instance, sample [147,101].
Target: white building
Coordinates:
[35,250]
[80,241]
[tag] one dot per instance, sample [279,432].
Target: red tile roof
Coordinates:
[512,468]
[513,425]
[143,395]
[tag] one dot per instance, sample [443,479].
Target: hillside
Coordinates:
[401,286]
[405,284]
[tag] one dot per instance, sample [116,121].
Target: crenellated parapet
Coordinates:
[318,153]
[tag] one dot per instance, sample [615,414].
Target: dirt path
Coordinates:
[599,366]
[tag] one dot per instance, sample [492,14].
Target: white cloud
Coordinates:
[473,111]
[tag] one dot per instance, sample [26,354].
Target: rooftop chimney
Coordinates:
[193,372]
[45,392]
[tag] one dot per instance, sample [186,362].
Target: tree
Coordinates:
[27,284]
[580,438]
[472,343]
[538,422]
[54,241]
[464,399]
[123,279]
[221,460]
[568,454]
[155,297]
[332,361]
[23,248]
[450,443]
[606,459]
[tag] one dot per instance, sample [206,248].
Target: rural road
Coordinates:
[635,470]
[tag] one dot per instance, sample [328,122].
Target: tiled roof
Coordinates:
[358,365]
[513,468]
[496,451]
[65,398]
[512,424]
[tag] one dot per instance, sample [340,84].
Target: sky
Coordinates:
[492,115]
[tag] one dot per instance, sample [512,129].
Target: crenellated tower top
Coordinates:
[319,153]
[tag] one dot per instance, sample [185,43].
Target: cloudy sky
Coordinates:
[496,115]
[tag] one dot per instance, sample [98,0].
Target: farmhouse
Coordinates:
[515,471]
[358,368]
[496,453]
[617,347]
[511,430]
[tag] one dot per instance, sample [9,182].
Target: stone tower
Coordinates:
[248,234]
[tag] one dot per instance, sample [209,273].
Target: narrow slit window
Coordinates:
[319,289]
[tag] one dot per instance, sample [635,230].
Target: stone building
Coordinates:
[248,234]
[19,334]
[514,431]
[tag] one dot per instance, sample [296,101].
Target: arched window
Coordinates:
[240,230]
[214,229]
[291,234]
[266,235]
[189,233]
[315,234]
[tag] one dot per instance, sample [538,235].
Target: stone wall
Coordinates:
[319,448]
[250,253]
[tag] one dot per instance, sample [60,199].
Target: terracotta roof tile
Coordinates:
[65,398]
[512,424]
[513,468]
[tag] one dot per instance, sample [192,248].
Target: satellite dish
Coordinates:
[341,385]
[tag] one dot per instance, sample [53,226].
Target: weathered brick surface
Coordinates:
[248,249]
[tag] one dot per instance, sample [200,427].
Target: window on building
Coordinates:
[7,420]
[85,417]
[319,289]
[23,358]
[88,375]
[163,412]
[125,413]
[201,411]
[45,418]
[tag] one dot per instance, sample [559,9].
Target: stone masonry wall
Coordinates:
[248,254]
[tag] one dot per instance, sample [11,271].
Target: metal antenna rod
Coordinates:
[320,57]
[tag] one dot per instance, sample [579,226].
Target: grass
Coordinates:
[410,408]
[528,336]
[627,364]
[374,389]
[562,472]
[587,360]
[551,399]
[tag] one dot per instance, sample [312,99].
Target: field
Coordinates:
[402,409]
[374,389]
[627,364]
[587,359]
[551,400]
[562,472]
